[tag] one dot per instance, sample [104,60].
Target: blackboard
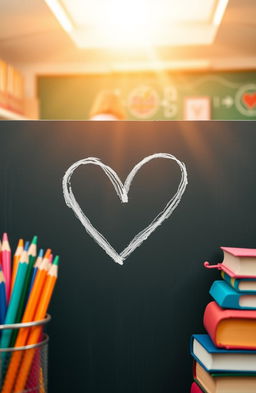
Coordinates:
[151,95]
[127,328]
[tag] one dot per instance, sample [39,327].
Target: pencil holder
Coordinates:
[25,366]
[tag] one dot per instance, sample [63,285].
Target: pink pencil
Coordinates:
[6,264]
[0,253]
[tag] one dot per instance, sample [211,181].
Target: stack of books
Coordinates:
[11,88]
[225,358]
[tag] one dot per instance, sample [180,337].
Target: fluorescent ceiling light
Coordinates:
[109,23]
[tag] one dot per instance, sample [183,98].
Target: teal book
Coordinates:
[240,284]
[227,297]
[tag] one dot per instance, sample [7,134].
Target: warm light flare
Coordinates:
[142,23]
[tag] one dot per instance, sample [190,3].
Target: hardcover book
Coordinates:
[195,388]
[230,328]
[212,383]
[228,297]
[240,284]
[218,360]
[237,262]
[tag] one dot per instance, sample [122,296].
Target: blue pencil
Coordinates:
[26,247]
[2,297]
[35,268]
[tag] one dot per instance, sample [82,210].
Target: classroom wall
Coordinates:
[153,96]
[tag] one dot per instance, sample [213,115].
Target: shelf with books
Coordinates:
[6,114]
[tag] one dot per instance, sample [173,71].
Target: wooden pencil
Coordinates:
[35,332]
[16,259]
[0,253]
[31,261]
[26,247]
[35,267]
[47,253]
[24,295]
[14,304]
[2,297]
[6,264]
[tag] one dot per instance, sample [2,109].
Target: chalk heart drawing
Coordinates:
[122,191]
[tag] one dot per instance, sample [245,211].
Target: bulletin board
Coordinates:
[126,328]
[153,96]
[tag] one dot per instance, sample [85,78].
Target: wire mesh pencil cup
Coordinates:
[37,379]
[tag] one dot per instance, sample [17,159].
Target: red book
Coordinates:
[195,388]
[231,329]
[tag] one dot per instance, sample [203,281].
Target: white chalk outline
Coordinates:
[122,191]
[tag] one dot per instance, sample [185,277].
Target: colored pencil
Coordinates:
[29,315]
[24,296]
[2,297]
[33,380]
[26,247]
[6,264]
[31,261]
[47,253]
[11,314]
[16,259]
[35,268]
[0,253]
[41,381]
[35,331]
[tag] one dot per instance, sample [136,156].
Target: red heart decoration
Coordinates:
[249,99]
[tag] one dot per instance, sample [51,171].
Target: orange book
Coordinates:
[221,383]
[231,329]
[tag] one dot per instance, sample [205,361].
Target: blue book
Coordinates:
[219,360]
[227,297]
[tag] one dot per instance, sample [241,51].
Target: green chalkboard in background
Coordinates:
[153,96]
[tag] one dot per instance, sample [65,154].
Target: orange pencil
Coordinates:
[16,259]
[47,253]
[35,331]
[28,316]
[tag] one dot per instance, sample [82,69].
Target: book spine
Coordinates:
[195,388]
[211,319]
[224,295]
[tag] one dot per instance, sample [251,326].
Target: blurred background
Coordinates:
[136,60]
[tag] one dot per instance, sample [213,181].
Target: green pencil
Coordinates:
[31,260]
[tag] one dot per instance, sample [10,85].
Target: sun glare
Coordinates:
[139,23]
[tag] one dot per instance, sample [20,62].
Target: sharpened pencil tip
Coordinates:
[26,246]
[5,237]
[21,243]
[41,253]
[47,253]
[34,240]
[56,260]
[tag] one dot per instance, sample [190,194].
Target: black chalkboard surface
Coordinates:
[127,328]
